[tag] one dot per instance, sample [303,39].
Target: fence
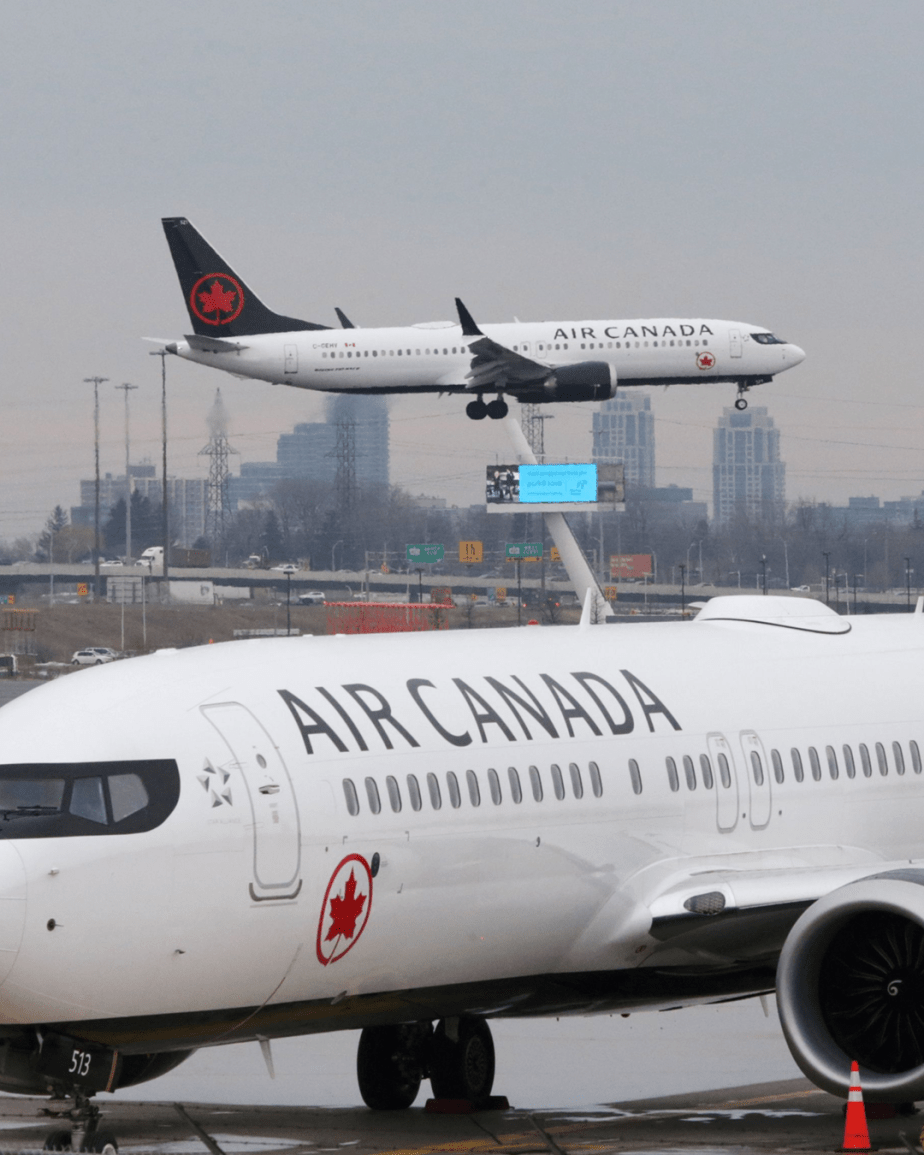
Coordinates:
[384,617]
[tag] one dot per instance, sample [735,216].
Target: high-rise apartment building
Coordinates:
[623,431]
[747,473]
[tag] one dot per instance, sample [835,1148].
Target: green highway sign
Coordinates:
[424,554]
[521,549]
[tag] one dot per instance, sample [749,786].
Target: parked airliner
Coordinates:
[533,362]
[414,834]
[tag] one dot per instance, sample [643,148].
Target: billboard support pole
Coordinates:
[579,572]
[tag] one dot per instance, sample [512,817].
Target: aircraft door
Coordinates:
[758,776]
[291,358]
[734,343]
[276,831]
[726,782]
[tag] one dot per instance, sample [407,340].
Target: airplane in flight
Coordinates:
[413,834]
[534,362]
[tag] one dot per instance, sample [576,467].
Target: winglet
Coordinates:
[345,322]
[467,321]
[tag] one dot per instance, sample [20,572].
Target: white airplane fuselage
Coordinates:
[436,358]
[390,828]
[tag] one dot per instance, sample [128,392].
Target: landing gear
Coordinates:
[741,402]
[478,410]
[462,1059]
[457,1057]
[86,1135]
[390,1065]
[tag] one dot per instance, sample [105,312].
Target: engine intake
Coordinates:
[850,986]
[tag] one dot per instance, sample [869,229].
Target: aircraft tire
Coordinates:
[741,402]
[476,410]
[387,1068]
[497,409]
[463,1068]
[102,1143]
[58,1141]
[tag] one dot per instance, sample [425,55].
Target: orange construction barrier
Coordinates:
[856,1134]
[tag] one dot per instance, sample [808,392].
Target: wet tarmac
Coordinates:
[790,1116]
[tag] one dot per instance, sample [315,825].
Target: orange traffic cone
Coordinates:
[856,1134]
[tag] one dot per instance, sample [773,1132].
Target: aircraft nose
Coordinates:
[794,355]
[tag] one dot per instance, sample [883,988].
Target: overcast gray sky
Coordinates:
[548,160]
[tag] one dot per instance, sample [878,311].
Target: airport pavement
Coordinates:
[11,688]
[791,1116]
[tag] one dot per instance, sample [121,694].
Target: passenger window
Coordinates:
[865,761]
[495,787]
[672,774]
[413,792]
[832,761]
[899,757]
[849,765]
[757,768]
[915,757]
[372,793]
[815,763]
[352,798]
[474,793]
[516,791]
[797,771]
[87,800]
[635,776]
[433,788]
[455,794]
[596,782]
[536,782]
[881,759]
[558,783]
[705,769]
[394,794]
[777,766]
[689,771]
[577,786]
[127,795]
[724,771]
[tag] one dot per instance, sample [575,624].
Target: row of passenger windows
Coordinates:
[540,348]
[473,788]
[831,758]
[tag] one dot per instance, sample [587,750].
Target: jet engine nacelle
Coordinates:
[586,381]
[850,987]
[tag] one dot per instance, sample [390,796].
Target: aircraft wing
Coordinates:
[494,366]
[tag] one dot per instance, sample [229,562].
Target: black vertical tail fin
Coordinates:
[220,304]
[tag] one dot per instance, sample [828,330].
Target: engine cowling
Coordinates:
[850,987]
[586,381]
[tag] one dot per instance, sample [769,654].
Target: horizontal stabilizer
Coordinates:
[212,344]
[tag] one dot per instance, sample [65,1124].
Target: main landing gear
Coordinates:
[85,1135]
[495,409]
[457,1057]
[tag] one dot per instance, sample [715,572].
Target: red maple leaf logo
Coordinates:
[217,299]
[345,910]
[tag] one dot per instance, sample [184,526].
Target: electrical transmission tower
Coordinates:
[218,450]
[533,425]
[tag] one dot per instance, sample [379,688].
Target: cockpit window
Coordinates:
[55,800]
[767,339]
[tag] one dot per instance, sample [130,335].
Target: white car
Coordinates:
[312,598]
[94,656]
[286,567]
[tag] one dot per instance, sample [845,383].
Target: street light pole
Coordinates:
[128,480]
[763,566]
[162,353]
[827,557]
[683,590]
[908,580]
[288,604]
[96,381]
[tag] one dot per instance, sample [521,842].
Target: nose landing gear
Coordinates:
[85,1135]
